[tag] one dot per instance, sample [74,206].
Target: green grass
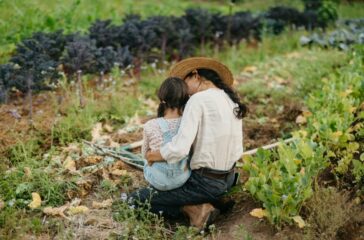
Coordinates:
[114,104]
[16,186]
[300,74]
[352,10]
[18,223]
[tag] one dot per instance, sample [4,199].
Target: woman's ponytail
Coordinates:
[239,111]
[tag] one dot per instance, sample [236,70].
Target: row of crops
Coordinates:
[347,32]
[331,140]
[38,60]
[328,150]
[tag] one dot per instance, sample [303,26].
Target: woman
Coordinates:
[211,131]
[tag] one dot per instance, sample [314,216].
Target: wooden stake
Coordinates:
[270,146]
[30,99]
[101,80]
[79,85]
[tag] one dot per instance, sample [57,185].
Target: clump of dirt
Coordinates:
[354,228]
[239,224]
[14,119]
[127,138]
[331,214]
[274,124]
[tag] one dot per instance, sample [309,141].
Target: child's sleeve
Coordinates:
[145,146]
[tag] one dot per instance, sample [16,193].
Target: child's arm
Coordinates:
[145,146]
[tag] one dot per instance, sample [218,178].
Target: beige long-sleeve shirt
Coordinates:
[210,127]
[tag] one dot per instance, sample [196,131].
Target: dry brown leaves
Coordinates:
[75,207]
[27,172]
[99,137]
[56,211]
[69,164]
[78,210]
[104,204]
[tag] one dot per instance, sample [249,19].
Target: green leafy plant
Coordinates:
[337,118]
[282,180]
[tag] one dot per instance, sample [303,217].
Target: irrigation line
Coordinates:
[130,158]
[119,155]
[270,146]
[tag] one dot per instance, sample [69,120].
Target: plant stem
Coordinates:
[163,48]
[228,30]
[79,90]
[30,99]
[101,79]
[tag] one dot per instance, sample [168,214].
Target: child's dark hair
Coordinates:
[173,93]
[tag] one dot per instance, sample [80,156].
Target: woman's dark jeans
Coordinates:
[198,189]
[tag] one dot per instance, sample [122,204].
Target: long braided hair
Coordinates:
[239,111]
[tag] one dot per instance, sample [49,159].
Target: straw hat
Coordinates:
[184,67]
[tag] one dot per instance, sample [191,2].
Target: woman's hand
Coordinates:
[154,156]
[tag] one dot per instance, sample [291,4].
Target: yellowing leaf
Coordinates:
[119,172]
[302,133]
[75,202]
[302,171]
[27,171]
[337,134]
[108,128]
[112,144]
[78,210]
[331,154]
[150,103]
[103,204]
[37,201]
[293,55]
[93,159]
[346,93]
[297,161]
[96,132]
[273,120]
[352,109]
[300,222]
[301,119]
[362,157]
[258,212]
[2,204]
[279,80]
[58,211]
[69,164]
[73,147]
[250,69]
[306,113]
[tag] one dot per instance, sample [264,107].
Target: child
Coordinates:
[173,97]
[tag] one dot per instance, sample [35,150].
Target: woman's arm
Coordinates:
[181,144]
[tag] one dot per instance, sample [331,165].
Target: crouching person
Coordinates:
[210,132]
